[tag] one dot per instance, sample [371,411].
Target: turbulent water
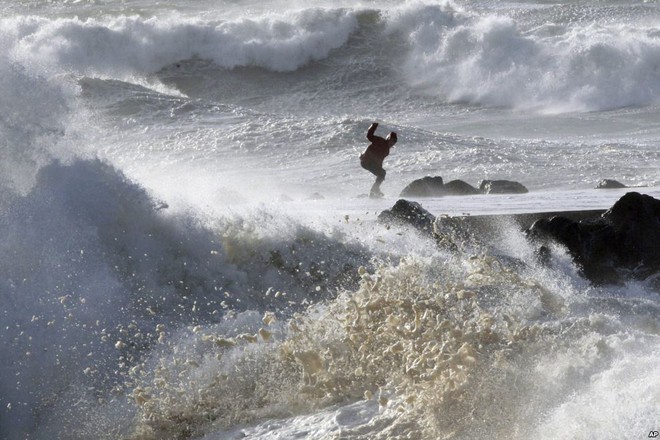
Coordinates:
[185,252]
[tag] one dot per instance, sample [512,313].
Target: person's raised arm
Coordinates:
[372,130]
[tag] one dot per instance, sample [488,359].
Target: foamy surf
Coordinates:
[424,348]
[184,251]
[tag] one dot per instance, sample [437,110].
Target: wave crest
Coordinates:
[134,45]
[495,61]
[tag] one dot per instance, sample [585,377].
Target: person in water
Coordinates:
[372,158]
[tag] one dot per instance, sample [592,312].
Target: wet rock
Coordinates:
[502,187]
[635,219]
[621,243]
[410,213]
[610,184]
[459,188]
[425,187]
[435,187]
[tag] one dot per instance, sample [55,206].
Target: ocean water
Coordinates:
[186,252]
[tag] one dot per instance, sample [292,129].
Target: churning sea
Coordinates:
[186,252]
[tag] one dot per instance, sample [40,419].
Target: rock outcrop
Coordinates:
[425,187]
[459,188]
[610,184]
[435,187]
[608,247]
[621,243]
[502,187]
[410,213]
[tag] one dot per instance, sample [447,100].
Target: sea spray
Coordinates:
[181,283]
[435,351]
[36,121]
[502,60]
[446,353]
[96,272]
[134,45]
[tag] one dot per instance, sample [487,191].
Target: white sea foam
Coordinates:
[35,116]
[443,352]
[487,59]
[495,60]
[134,45]
[611,415]
[282,316]
[92,265]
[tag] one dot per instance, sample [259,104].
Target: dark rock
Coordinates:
[584,241]
[425,187]
[459,188]
[635,219]
[610,184]
[457,234]
[622,242]
[411,213]
[435,187]
[502,187]
[562,229]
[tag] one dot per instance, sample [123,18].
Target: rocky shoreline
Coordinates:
[608,246]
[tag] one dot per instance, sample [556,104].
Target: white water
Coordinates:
[168,269]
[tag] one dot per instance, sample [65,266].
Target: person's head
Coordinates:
[391,139]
